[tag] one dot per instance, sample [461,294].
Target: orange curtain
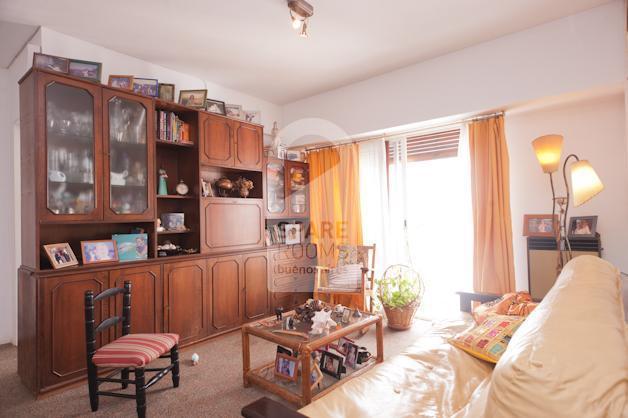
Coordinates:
[493,269]
[335,204]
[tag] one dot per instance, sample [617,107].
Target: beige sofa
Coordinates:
[568,359]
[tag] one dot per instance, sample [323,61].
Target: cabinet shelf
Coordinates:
[175,144]
[175,196]
[183,231]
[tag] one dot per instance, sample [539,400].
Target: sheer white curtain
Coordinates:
[419,213]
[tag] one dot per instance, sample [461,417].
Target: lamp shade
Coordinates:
[548,149]
[585,182]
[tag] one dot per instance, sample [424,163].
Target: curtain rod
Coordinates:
[402,133]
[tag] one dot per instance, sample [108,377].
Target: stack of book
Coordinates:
[171,128]
[274,235]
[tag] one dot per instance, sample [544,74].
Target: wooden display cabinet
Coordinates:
[90,159]
[287,189]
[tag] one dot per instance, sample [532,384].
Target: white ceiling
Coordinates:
[13,37]
[250,46]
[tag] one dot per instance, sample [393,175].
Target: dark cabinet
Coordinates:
[255,276]
[146,298]
[63,325]
[227,288]
[216,141]
[249,146]
[231,224]
[187,285]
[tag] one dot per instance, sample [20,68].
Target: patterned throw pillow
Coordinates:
[489,340]
[519,304]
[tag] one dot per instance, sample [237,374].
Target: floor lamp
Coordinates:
[585,184]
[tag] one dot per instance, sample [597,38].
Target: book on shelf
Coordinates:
[172,129]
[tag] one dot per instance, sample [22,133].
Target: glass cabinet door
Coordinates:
[276,188]
[71,147]
[127,165]
[298,177]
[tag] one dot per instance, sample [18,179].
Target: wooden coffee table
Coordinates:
[297,392]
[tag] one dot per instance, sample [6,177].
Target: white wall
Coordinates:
[56,43]
[593,129]
[575,53]
[7,260]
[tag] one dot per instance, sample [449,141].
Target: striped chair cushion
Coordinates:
[134,350]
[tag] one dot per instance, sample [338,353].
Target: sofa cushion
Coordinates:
[489,340]
[569,358]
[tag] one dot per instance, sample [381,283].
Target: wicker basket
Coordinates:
[401,318]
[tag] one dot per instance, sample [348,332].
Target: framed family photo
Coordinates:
[286,367]
[166,92]
[233,111]
[331,364]
[215,106]
[582,227]
[60,255]
[193,98]
[100,251]
[540,225]
[121,81]
[87,70]
[131,246]
[146,86]
[51,62]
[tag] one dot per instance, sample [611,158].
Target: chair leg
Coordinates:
[92,385]
[125,376]
[174,359]
[140,392]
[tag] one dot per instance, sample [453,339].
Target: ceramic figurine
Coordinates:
[279,312]
[321,322]
[163,187]
[195,359]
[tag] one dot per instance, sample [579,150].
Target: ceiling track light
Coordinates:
[300,12]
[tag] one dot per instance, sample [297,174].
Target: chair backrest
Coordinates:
[90,329]
[356,254]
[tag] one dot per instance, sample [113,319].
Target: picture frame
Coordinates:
[332,364]
[582,227]
[131,247]
[341,345]
[99,251]
[124,82]
[252,116]
[351,354]
[284,350]
[286,367]
[51,63]
[346,315]
[206,188]
[173,221]
[540,225]
[146,86]
[233,111]
[166,92]
[193,98]
[215,106]
[87,70]
[292,232]
[60,255]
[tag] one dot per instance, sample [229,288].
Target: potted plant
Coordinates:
[400,292]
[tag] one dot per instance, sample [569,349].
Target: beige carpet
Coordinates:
[211,389]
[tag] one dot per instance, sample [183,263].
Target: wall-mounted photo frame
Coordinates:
[99,251]
[582,227]
[146,86]
[88,70]
[121,81]
[215,106]
[193,98]
[286,367]
[540,225]
[166,92]
[60,255]
[51,63]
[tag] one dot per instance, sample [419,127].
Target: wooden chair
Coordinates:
[350,254]
[130,351]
